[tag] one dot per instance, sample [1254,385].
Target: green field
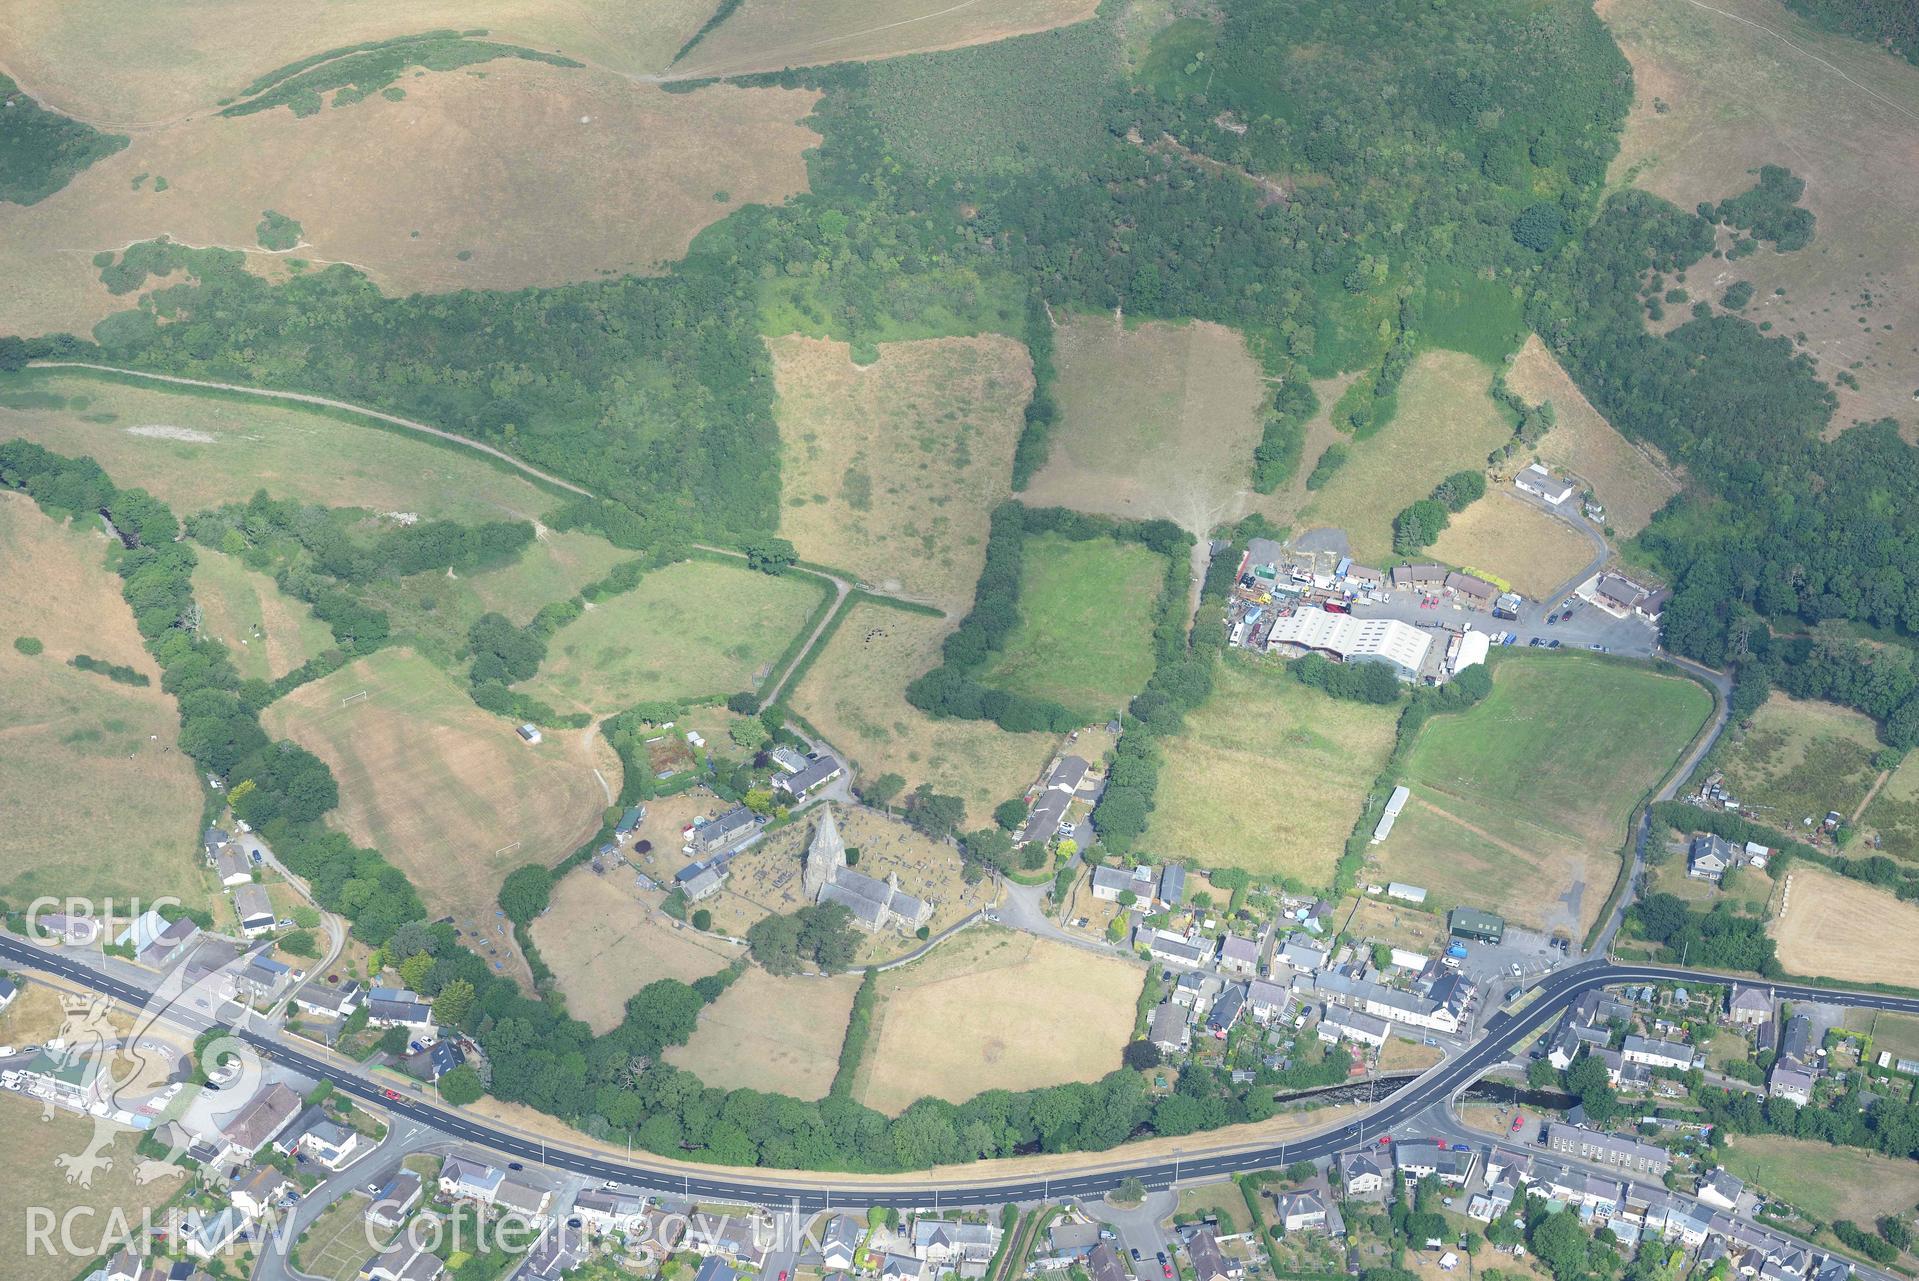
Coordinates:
[1893,815]
[1520,803]
[1085,635]
[690,630]
[1826,1182]
[268,632]
[196,450]
[1897,1033]
[1797,758]
[1264,734]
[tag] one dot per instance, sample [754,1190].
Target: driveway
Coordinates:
[1019,909]
[1139,1229]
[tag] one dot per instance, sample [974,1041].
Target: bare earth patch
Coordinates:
[1833,927]
[1743,83]
[983,1011]
[498,177]
[1156,420]
[1507,537]
[97,796]
[605,939]
[891,469]
[766,35]
[778,1035]
[856,694]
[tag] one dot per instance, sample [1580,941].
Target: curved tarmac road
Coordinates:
[1101,1172]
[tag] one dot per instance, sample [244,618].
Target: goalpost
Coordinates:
[353,698]
[506,849]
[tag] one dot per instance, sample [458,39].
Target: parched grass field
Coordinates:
[1744,890]
[500,176]
[1826,1182]
[1630,481]
[605,939]
[268,632]
[98,797]
[855,694]
[1745,83]
[1447,422]
[336,1244]
[1506,536]
[1085,635]
[982,1012]
[1521,801]
[445,790]
[1263,734]
[766,35]
[891,470]
[1893,814]
[692,629]
[1156,420]
[28,1148]
[781,1035]
[1799,758]
[196,451]
[1828,925]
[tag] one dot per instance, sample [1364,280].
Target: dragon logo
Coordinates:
[137,1080]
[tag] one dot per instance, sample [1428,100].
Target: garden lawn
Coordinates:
[1085,636]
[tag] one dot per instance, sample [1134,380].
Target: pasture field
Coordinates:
[1893,814]
[1898,1033]
[982,1012]
[1264,734]
[1447,422]
[576,175]
[1631,481]
[605,939]
[1545,771]
[1504,535]
[195,451]
[1825,1181]
[692,629]
[1085,634]
[445,790]
[268,632]
[855,694]
[1799,758]
[1828,925]
[99,799]
[146,63]
[1156,420]
[766,35]
[1725,88]
[891,470]
[781,1035]
[29,1148]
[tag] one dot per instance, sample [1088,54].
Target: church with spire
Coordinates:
[875,905]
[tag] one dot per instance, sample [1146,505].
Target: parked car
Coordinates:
[1553,643]
[391,1094]
[1519,1123]
[1135,1254]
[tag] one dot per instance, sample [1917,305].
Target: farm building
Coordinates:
[631,819]
[1540,483]
[1394,804]
[1471,923]
[1469,650]
[1401,646]
[1405,893]
[817,772]
[528,734]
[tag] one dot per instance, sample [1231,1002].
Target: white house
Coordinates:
[1540,483]
[205,1236]
[1659,1054]
[840,1242]
[330,1143]
[606,1211]
[261,1190]
[1362,1173]
[254,908]
[462,1179]
[1342,1024]
[944,1243]
[1300,1211]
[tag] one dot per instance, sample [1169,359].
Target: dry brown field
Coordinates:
[97,796]
[605,939]
[1795,759]
[268,632]
[1630,481]
[856,694]
[778,1035]
[766,35]
[1447,422]
[982,1011]
[194,452]
[1833,927]
[1156,420]
[502,176]
[891,470]
[1509,538]
[137,64]
[445,790]
[1722,89]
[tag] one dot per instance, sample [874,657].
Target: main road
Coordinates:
[1096,1175]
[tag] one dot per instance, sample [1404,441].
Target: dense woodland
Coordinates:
[1892,23]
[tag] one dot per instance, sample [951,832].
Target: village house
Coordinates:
[258,1123]
[255,910]
[816,773]
[156,941]
[464,1179]
[559,1250]
[1108,883]
[724,833]
[1341,1024]
[1226,1011]
[1440,1012]
[1209,1264]
[262,979]
[329,1000]
[1238,957]
[1362,1174]
[261,1190]
[1476,590]
[398,1007]
[605,1211]
[839,1242]
[434,1061]
[1794,1084]
[1423,578]
[203,1235]
[232,867]
[1171,1029]
[1300,957]
[1417,1158]
[1709,856]
[1607,1149]
[1102,1264]
[1658,1054]
[1302,1212]
[529,1203]
[8,991]
[1720,1190]
[944,1244]
[61,930]
[1541,484]
[1748,1006]
[329,1143]
[403,1261]
[1267,1001]
[395,1200]
[1173,949]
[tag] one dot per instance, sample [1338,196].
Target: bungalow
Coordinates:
[1414,894]
[255,910]
[403,1261]
[1622,597]
[1301,957]
[395,1200]
[259,1122]
[1748,1006]
[816,773]
[262,1190]
[233,867]
[629,821]
[1540,483]
[329,1000]
[742,1242]
[1048,814]
[464,1179]
[1171,1029]
[1238,956]
[1419,577]
[942,1242]
[1659,1054]
[1476,590]
[1709,856]
[1341,1024]
[1072,1240]
[1174,949]
[1208,1263]
[1417,1158]
[1616,1150]
[61,930]
[605,1210]
[1361,1173]
[398,1007]
[894,1267]
[204,1236]
[840,1242]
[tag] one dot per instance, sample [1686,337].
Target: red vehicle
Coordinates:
[1518,1122]
[1167,1268]
[391,1094]
[1384,1139]
[1338,607]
